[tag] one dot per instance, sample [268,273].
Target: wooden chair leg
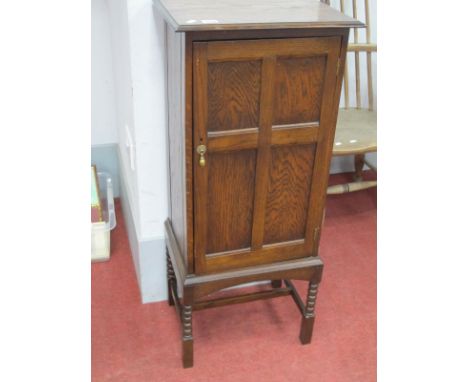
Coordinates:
[170,278]
[358,166]
[308,317]
[276,283]
[187,339]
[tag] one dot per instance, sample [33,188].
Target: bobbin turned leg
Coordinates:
[308,317]
[187,339]
[170,278]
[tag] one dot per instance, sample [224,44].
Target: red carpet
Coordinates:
[256,341]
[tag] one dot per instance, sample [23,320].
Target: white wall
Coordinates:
[147,55]
[137,45]
[103,117]
[133,63]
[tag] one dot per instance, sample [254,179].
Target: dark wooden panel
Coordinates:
[250,257]
[298,89]
[288,192]
[231,183]
[233,95]
[227,236]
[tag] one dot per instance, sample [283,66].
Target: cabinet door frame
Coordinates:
[262,140]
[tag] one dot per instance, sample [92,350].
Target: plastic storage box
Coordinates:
[100,231]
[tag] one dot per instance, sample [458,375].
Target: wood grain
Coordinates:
[231,185]
[264,152]
[361,47]
[281,48]
[233,95]
[330,104]
[248,257]
[295,134]
[227,141]
[197,286]
[280,181]
[288,192]
[298,89]
[299,269]
[193,15]
[200,185]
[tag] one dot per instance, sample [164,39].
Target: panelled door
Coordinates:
[262,109]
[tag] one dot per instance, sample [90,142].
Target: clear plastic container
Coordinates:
[100,231]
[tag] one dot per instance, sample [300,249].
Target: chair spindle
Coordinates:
[356,61]
[346,75]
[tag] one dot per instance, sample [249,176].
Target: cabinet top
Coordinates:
[200,15]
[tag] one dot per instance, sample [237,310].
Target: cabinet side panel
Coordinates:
[176,126]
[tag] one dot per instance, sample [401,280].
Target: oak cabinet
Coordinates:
[252,109]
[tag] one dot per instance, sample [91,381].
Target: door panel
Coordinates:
[298,89]
[262,109]
[233,95]
[288,192]
[231,180]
